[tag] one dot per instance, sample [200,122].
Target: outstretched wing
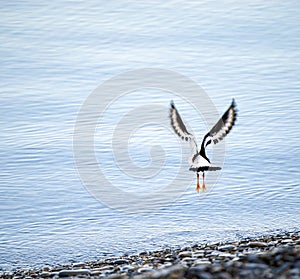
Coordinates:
[180,129]
[223,126]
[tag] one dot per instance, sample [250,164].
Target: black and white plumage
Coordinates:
[198,159]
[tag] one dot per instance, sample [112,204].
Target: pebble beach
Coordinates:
[272,256]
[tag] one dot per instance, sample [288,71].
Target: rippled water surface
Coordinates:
[54,54]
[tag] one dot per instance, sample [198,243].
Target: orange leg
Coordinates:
[198,184]
[203,184]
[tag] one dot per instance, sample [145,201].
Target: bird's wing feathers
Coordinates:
[223,126]
[216,134]
[180,129]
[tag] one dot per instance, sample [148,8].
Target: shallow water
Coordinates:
[54,54]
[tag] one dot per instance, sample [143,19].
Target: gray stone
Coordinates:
[174,272]
[246,274]
[188,260]
[294,272]
[121,261]
[227,248]
[145,269]
[115,276]
[105,267]
[202,262]
[74,272]
[166,265]
[271,244]
[224,255]
[185,254]
[297,264]
[283,268]
[208,251]
[260,244]
[45,274]
[169,255]
[224,275]
[214,254]
[144,253]
[253,258]
[198,255]
[199,274]
[80,264]
[127,268]
[216,268]
[255,266]
[198,268]
[96,272]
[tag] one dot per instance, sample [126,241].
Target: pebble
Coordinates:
[174,272]
[145,269]
[202,262]
[105,267]
[214,254]
[227,248]
[185,254]
[276,256]
[224,275]
[191,274]
[294,272]
[74,272]
[225,256]
[45,274]
[188,260]
[254,244]
[255,266]
[127,268]
[198,255]
[120,261]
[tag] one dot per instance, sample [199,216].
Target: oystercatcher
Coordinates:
[198,159]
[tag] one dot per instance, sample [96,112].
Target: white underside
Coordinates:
[200,162]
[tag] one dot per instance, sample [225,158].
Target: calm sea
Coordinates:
[55,53]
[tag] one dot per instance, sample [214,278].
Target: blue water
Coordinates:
[54,54]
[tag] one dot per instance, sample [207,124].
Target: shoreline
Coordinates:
[272,256]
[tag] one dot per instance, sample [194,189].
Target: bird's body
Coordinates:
[198,159]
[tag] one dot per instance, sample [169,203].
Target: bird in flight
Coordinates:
[198,159]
